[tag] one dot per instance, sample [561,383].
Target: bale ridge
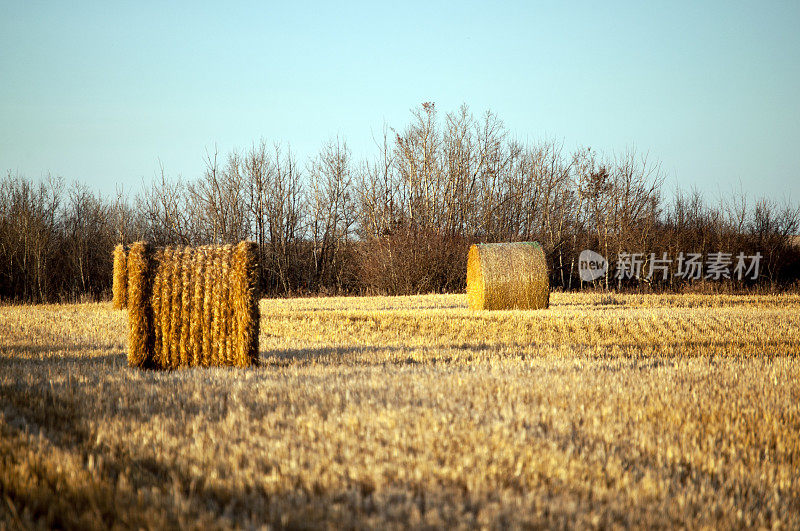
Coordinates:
[503,276]
[140,309]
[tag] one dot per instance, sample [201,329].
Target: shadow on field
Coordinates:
[44,355]
[130,488]
[62,498]
[56,348]
[111,493]
[362,355]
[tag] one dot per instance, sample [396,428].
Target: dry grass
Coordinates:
[506,276]
[654,411]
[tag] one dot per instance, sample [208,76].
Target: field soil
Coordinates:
[601,411]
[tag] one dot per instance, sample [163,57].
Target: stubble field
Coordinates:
[602,411]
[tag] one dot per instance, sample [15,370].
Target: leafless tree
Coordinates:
[331,212]
[400,222]
[165,211]
[218,199]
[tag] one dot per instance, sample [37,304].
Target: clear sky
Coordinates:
[100,92]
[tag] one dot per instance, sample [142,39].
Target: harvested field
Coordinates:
[601,411]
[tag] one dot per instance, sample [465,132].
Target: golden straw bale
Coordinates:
[140,314]
[193,306]
[120,283]
[506,276]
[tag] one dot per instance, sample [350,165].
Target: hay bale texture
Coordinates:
[192,306]
[503,276]
[120,283]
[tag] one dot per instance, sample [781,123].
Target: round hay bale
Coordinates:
[502,276]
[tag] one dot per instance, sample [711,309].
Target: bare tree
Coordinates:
[331,212]
[284,213]
[218,199]
[399,223]
[165,212]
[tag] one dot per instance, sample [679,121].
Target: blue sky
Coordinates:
[101,92]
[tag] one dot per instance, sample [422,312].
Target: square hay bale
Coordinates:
[193,306]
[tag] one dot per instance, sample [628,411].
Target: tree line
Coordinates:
[399,222]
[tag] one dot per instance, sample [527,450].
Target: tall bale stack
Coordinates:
[502,276]
[120,283]
[193,306]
